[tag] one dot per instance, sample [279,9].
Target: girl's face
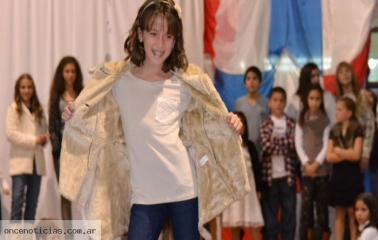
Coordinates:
[69,74]
[342,113]
[345,76]
[361,212]
[314,100]
[26,90]
[158,43]
[315,76]
[252,82]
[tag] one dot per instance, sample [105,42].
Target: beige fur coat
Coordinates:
[94,160]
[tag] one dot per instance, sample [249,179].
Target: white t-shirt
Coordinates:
[369,233]
[161,170]
[278,161]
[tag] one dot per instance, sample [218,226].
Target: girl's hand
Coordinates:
[234,122]
[314,168]
[5,187]
[68,112]
[258,195]
[7,191]
[310,169]
[42,139]
[338,151]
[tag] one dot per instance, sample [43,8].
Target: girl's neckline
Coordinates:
[133,74]
[147,82]
[65,98]
[313,116]
[253,100]
[362,226]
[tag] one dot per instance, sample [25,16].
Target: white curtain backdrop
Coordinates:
[35,35]
[345,30]
[287,74]
[244,36]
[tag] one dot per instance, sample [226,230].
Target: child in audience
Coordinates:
[366,213]
[246,213]
[278,168]
[26,130]
[311,136]
[344,152]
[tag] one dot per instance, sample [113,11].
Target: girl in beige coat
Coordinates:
[26,130]
[151,140]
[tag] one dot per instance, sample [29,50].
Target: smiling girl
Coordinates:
[150,140]
[26,129]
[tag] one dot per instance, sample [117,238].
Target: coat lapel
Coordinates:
[104,77]
[27,112]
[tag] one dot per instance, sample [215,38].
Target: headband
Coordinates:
[170,3]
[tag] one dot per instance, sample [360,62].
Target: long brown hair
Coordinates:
[305,80]
[355,84]
[147,14]
[58,85]
[35,105]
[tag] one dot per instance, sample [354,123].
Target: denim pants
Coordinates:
[147,221]
[279,196]
[25,191]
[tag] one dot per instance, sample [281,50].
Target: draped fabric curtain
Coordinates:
[280,36]
[35,35]
[346,37]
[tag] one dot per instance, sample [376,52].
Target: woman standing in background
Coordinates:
[66,86]
[26,130]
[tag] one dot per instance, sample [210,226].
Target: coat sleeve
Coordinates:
[15,134]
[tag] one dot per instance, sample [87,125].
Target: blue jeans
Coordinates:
[279,195]
[32,183]
[147,221]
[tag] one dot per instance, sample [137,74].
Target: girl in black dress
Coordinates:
[344,152]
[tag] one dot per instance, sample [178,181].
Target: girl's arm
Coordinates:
[332,157]
[320,158]
[299,145]
[352,154]
[44,131]
[14,133]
